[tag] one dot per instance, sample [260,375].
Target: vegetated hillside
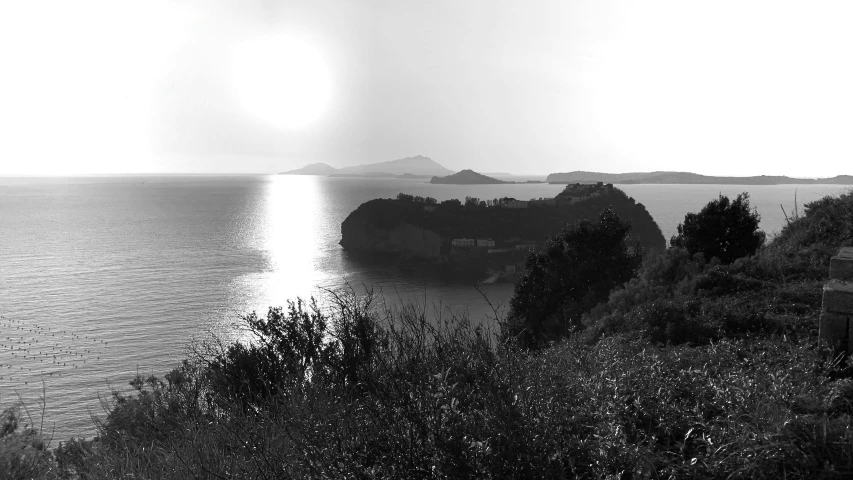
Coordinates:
[372,222]
[679,298]
[688,178]
[466,177]
[692,370]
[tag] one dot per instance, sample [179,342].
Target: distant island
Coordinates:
[470,177]
[689,178]
[466,177]
[485,235]
[409,167]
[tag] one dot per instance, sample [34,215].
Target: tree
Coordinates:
[574,271]
[724,229]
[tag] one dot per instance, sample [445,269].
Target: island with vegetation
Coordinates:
[690,178]
[466,177]
[700,361]
[493,234]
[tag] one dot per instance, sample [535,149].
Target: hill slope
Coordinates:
[466,177]
[689,178]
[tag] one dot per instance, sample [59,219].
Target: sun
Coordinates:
[280,80]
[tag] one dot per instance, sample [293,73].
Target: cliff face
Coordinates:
[405,239]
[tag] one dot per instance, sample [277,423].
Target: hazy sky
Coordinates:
[725,87]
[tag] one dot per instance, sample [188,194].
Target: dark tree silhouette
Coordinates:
[574,271]
[724,229]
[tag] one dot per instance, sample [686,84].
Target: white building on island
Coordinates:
[463,242]
[526,245]
[485,242]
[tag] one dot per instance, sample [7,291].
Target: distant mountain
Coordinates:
[418,165]
[313,169]
[410,167]
[466,177]
[689,178]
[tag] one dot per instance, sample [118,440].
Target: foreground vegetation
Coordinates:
[692,368]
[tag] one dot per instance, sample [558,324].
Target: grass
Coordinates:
[691,370]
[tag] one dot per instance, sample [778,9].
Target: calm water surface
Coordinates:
[104,278]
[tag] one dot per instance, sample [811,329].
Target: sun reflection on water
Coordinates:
[291,237]
[286,230]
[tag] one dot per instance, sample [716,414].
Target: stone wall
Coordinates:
[836,317]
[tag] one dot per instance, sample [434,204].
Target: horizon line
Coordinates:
[132,174]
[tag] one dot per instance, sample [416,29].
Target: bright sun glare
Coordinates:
[281,80]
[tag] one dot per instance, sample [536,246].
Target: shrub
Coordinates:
[660,276]
[576,270]
[827,222]
[670,321]
[23,451]
[300,345]
[724,229]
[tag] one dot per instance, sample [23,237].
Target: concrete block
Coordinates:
[841,268]
[835,329]
[838,296]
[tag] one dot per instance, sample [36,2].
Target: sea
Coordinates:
[106,278]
